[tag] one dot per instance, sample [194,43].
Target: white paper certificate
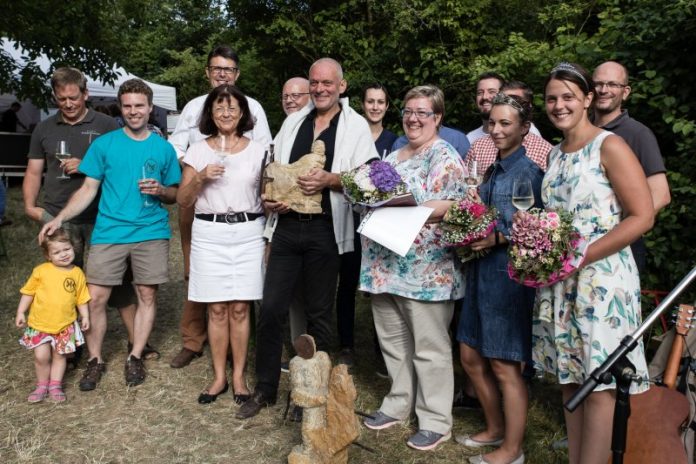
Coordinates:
[395,227]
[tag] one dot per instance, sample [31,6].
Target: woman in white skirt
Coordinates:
[221,178]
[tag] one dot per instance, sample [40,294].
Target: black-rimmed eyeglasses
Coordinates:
[222,70]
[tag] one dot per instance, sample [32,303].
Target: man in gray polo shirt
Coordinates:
[78,126]
[612,89]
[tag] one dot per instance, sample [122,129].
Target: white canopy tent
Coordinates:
[164,96]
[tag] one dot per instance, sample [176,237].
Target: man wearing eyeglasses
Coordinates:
[306,248]
[611,90]
[222,68]
[295,95]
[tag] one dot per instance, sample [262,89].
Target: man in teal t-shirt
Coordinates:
[137,171]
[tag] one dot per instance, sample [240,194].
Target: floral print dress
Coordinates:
[429,271]
[581,320]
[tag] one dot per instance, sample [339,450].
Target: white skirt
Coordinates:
[226,261]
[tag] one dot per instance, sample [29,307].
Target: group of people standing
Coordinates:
[239,247]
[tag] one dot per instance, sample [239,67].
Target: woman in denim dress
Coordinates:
[496,320]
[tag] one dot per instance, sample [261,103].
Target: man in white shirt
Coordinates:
[222,68]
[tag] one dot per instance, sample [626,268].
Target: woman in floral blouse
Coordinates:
[413,296]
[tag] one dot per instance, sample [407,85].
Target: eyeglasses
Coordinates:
[220,110]
[222,70]
[420,114]
[609,85]
[292,96]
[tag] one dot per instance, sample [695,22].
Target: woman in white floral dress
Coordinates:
[580,321]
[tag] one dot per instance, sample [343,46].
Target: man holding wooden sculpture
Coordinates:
[307,241]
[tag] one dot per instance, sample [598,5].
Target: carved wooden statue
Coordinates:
[280,181]
[329,424]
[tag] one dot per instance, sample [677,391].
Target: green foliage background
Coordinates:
[400,43]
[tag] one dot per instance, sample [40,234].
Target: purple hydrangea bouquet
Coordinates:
[373,184]
[545,249]
[466,222]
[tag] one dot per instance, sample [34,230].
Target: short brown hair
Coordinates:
[135,86]
[432,93]
[66,76]
[59,235]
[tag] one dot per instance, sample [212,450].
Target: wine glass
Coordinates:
[221,153]
[145,179]
[473,180]
[522,194]
[62,153]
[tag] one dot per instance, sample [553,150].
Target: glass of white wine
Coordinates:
[62,153]
[522,194]
[473,180]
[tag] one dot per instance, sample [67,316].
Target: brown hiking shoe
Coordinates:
[184,358]
[134,371]
[92,375]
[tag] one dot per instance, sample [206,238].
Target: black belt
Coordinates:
[229,218]
[304,217]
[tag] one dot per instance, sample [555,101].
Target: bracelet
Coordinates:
[497,239]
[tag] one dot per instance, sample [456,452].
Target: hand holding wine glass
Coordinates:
[522,194]
[62,154]
[144,184]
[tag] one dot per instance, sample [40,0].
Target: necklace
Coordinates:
[223,148]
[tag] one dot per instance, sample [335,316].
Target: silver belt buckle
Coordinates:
[234,218]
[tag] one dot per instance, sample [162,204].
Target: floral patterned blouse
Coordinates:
[429,271]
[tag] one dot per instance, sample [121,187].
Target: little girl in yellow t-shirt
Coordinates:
[51,294]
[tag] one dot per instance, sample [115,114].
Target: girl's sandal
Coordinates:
[55,392]
[39,394]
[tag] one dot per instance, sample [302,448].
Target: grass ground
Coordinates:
[161,422]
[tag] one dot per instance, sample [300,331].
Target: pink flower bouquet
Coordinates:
[545,249]
[466,222]
[373,184]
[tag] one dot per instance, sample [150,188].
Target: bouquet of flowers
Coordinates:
[466,222]
[373,184]
[546,248]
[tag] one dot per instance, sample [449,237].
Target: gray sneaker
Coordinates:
[380,421]
[426,440]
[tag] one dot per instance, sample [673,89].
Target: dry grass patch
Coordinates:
[161,422]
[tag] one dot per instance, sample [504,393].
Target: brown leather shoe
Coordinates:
[134,371]
[253,405]
[92,375]
[184,358]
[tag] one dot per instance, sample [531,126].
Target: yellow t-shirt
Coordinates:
[56,291]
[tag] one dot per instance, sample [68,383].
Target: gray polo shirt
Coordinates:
[79,136]
[641,140]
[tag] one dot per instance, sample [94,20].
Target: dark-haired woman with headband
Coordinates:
[593,174]
[495,326]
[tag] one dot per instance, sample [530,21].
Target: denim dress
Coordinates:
[496,317]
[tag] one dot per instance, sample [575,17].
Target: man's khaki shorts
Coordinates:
[107,263]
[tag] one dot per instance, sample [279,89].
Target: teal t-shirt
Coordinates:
[118,162]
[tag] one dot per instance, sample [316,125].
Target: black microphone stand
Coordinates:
[618,366]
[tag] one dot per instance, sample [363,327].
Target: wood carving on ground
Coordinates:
[281,181]
[329,423]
